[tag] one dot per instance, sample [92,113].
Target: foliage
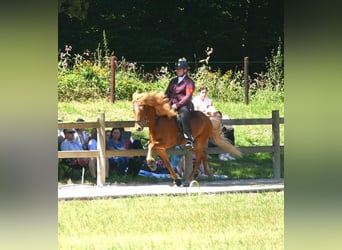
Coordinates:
[87,77]
[81,77]
[221,221]
[230,86]
[157,31]
[226,87]
[73,9]
[273,78]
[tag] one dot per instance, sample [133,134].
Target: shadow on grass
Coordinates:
[251,166]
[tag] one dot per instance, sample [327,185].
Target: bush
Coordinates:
[87,77]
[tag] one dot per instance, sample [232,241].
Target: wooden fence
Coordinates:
[102,153]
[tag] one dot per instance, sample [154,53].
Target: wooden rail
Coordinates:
[102,153]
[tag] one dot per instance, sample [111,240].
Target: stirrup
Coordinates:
[189,144]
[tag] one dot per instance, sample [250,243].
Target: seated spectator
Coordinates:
[81,135]
[203,103]
[177,163]
[107,135]
[71,144]
[60,136]
[123,164]
[92,145]
[116,142]
[136,162]
[228,132]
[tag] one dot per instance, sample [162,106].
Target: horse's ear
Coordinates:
[165,99]
[135,96]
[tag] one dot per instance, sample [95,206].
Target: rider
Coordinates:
[180,92]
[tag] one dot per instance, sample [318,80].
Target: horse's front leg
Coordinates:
[151,163]
[163,155]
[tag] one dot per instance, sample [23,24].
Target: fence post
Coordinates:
[112,79]
[101,146]
[188,164]
[276,143]
[245,70]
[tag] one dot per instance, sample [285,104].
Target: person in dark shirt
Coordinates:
[179,92]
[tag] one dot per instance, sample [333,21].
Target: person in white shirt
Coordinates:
[81,136]
[228,132]
[71,144]
[92,145]
[203,103]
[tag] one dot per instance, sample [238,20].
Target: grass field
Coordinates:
[220,221]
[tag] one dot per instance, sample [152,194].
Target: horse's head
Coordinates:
[139,110]
[148,105]
[140,116]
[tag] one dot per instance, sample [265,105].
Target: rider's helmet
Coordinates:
[182,64]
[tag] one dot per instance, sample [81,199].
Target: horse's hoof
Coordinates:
[178,182]
[186,184]
[152,166]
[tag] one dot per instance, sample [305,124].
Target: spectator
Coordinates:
[115,142]
[228,132]
[136,162]
[60,136]
[81,135]
[70,144]
[203,103]
[108,133]
[176,163]
[92,145]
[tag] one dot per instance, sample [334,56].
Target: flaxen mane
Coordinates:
[157,100]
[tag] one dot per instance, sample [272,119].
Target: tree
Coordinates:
[163,30]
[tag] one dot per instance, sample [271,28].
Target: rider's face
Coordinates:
[180,71]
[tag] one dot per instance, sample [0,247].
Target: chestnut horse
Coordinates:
[153,110]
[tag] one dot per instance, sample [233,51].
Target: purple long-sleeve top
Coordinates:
[180,94]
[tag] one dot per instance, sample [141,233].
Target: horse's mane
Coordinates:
[157,100]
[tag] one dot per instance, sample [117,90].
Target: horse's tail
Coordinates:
[218,138]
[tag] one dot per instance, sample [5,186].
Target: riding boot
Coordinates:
[184,114]
[189,140]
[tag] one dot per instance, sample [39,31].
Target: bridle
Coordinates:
[143,122]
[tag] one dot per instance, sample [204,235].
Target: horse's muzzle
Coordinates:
[138,126]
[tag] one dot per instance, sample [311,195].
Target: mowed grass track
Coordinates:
[216,221]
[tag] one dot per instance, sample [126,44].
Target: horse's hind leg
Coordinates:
[199,156]
[163,155]
[205,165]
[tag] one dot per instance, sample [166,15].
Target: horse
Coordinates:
[153,110]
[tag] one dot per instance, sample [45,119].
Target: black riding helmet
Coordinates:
[182,64]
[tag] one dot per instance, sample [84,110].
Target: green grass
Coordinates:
[221,221]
